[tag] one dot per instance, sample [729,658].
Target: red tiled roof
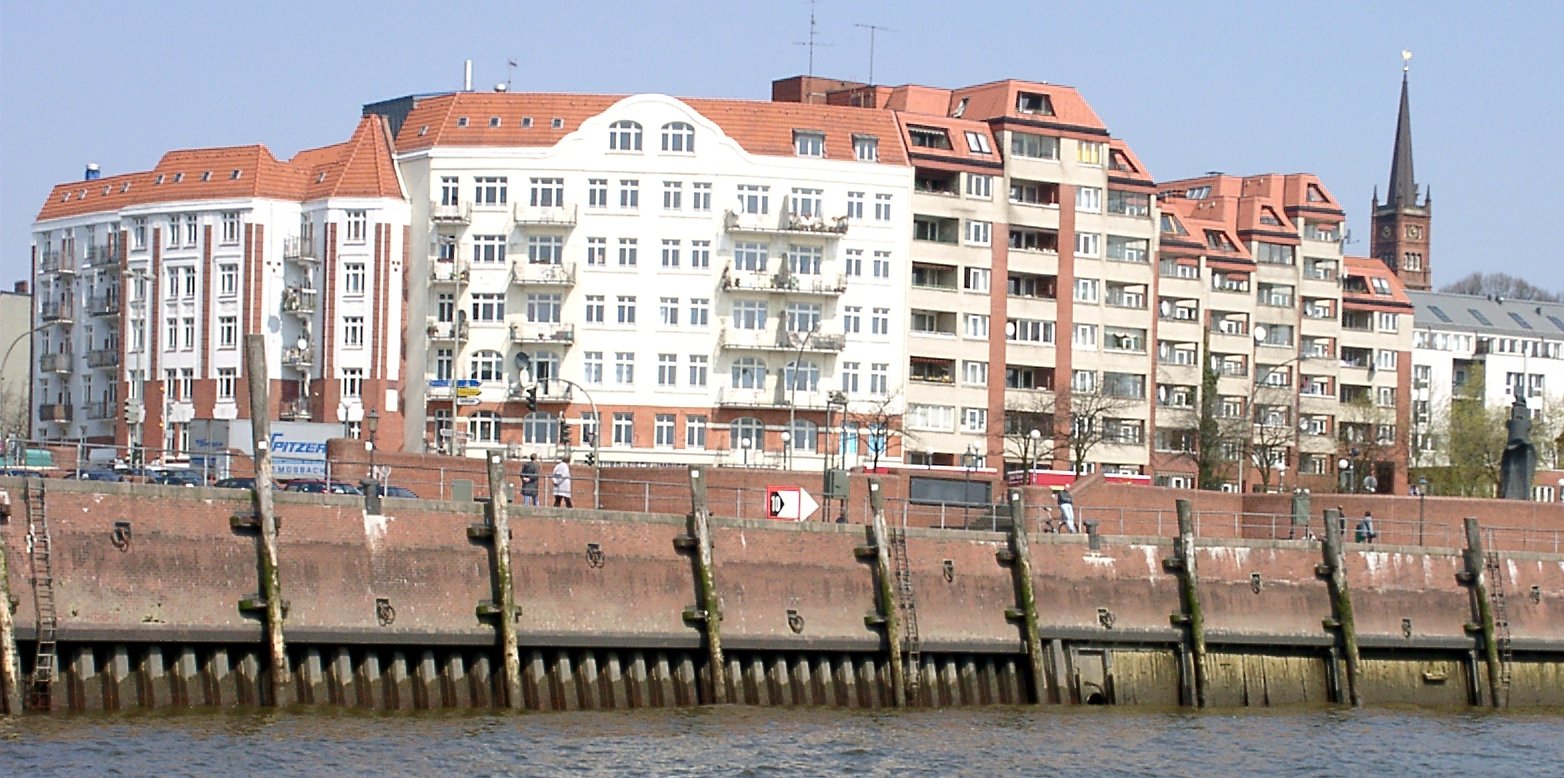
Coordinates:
[760,127]
[362,167]
[1369,268]
[998,99]
[956,129]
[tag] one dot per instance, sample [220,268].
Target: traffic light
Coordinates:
[532,398]
[564,433]
[591,459]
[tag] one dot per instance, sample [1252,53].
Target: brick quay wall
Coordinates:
[154,590]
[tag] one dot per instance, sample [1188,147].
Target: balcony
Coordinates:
[457,213]
[103,256]
[55,412]
[446,330]
[103,357]
[548,391]
[783,281]
[298,249]
[529,274]
[785,223]
[774,394]
[299,301]
[543,333]
[777,338]
[298,358]
[60,362]
[546,215]
[444,271]
[101,410]
[103,305]
[56,311]
[295,410]
[62,262]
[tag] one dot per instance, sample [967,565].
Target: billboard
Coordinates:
[298,447]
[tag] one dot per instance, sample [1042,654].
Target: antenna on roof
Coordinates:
[811,43]
[1406,60]
[510,70]
[872,28]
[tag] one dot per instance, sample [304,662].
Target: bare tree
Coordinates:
[1272,433]
[883,420]
[1500,285]
[13,410]
[1360,423]
[1070,427]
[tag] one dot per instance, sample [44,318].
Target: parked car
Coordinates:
[399,491]
[94,475]
[177,478]
[235,483]
[315,486]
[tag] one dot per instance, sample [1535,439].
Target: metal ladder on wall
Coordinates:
[1501,618]
[40,557]
[908,610]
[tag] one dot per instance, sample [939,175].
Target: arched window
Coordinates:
[749,373]
[483,427]
[802,376]
[487,366]
[678,137]
[540,427]
[624,135]
[806,435]
[748,428]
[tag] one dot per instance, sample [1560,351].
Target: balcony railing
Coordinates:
[298,249]
[298,300]
[100,256]
[777,338]
[543,333]
[101,410]
[545,215]
[104,305]
[445,271]
[55,412]
[104,357]
[446,330]
[460,213]
[295,410]
[773,393]
[548,391]
[57,261]
[782,281]
[298,358]
[530,274]
[56,363]
[790,223]
[56,311]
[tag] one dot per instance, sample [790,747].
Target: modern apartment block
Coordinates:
[146,283]
[657,279]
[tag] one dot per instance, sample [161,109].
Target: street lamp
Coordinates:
[787,449]
[1343,480]
[744,443]
[372,425]
[1422,498]
[969,461]
[1036,437]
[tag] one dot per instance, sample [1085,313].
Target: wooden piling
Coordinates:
[271,587]
[889,616]
[1341,620]
[1190,616]
[10,668]
[708,609]
[1026,600]
[1476,575]
[504,591]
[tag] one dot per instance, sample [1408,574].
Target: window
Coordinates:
[1029,331]
[809,143]
[670,256]
[803,318]
[227,379]
[624,368]
[188,276]
[749,314]
[1088,199]
[849,375]
[700,253]
[754,199]
[488,249]
[804,260]
[805,203]
[540,427]
[1273,253]
[490,190]
[1085,336]
[978,143]
[668,311]
[881,266]
[980,186]
[975,279]
[803,376]
[629,193]
[594,309]
[673,195]
[628,248]
[547,192]
[748,373]
[700,311]
[667,370]
[544,308]
[699,367]
[545,249]
[352,382]
[449,191]
[882,207]
[192,229]
[879,378]
[1026,144]
[928,137]
[880,322]
[853,259]
[852,318]
[930,417]
[750,256]
[1128,249]
[1088,244]
[592,367]
[866,148]
[1089,152]
[597,251]
[597,193]
[678,138]
[1388,322]
[855,205]
[357,226]
[700,196]
[662,430]
[188,326]
[975,325]
[230,234]
[353,278]
[488,306]
[445,308]
[486,366]
[483,427]
[1086,290]
[1032,102]
[1129,203]
[138,233]
[227,331]
[352,331]
[227,280]
[624,135]
[979,233]
[694,431]
[626,309]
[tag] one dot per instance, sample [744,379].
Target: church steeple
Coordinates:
[1401,222]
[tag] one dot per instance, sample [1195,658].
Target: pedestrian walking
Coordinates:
[1066,508]
[1366,533]
[529,481]
[561,481]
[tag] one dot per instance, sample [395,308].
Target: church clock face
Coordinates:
[1414,232]
[1386,231]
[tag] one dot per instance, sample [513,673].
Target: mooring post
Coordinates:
[1026,601]
[10,667]
[1190,616]
[708,608]
[888,615]
[1341,621]
[504,591]
[257,378]
[1476,576]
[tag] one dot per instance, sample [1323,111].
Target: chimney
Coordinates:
[467,77]
[92,172]
[21,287]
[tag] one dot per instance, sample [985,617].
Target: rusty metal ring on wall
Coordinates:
[384,613]
[795,621]
[120,536]
[595,555]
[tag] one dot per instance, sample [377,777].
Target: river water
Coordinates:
[742,741]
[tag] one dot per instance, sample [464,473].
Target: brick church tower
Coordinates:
[1401,234]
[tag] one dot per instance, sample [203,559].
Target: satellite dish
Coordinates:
[1166,308]
[522,361]
[1259,333]
[1370,483]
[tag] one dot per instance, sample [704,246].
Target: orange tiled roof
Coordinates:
[360,167]
[998,100]
[760,127]
[1368,268]
[1124,167]
[956,129]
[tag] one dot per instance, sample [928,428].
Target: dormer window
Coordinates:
[179,177]
[125,187]
[961,108]
[1268,216]
[809,143]
[678,138]
[206,176]
[526,122]
[1315,195]
[928,137]
[978,143]
[624,135]
[423,130]
[494,121]
[157,181]
[1217,240]
[866,148]
[1172,226]
[557,123]
[1033,102]
[1197,192]
[235,175]
[461,121]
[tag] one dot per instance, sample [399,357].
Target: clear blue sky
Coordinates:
[1193,86]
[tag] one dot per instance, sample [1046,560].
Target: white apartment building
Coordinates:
[675,280]
[148,282]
